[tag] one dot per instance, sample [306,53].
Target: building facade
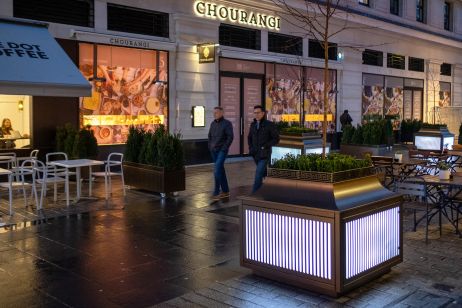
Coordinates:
[170,62]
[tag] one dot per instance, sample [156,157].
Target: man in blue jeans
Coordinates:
[220,139]
[262,136]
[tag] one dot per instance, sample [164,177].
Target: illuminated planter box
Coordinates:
[359,150]
[433,139]
[326,237]
[297,144]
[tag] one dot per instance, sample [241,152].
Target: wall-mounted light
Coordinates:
[21,105]
[340,55]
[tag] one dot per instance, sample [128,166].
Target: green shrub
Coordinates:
[314,162]
[347,135]
[297,130]
[134,143]
[460,134]
[433,126]
[160,148]
[358,135]
[76,143]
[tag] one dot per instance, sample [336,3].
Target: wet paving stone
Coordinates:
[141,251]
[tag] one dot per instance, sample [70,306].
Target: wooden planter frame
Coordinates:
[154,179]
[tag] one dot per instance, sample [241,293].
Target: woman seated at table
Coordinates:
[7,132]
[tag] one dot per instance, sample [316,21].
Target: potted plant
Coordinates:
[370,137]
[154,161]
[444,170]
[399,156]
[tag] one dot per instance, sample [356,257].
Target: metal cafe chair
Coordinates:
[47,175]
[33,155]
[21,173]
[384,165]
[112,167]
[49,157]
[8,160]
[416,192]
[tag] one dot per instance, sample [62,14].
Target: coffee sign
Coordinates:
[243,17]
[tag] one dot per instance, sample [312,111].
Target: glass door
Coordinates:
[239,93]
[413,104]
[252,97]
[230,101]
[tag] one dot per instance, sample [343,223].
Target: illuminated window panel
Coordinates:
[292,243]
[371,240]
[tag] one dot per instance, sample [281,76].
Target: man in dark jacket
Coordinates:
[345,119]
[263,135]
[220,139]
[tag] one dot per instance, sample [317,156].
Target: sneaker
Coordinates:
[224,195]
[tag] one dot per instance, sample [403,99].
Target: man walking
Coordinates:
[263,135]
[220,139]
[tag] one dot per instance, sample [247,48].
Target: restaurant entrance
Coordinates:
[239,93]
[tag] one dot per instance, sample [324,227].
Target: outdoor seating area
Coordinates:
[431,183]
[57,182]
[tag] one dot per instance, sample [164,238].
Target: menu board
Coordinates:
[252,97]
[230,102]
[417,105]
[407,108]
[198,116]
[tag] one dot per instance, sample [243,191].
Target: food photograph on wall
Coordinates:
[372,101]
[129,88]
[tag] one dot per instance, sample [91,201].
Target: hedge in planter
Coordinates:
[76,143]
[154,161]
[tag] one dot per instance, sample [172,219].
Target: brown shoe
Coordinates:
[224,195]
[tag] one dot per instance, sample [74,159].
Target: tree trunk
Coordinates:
[326,80]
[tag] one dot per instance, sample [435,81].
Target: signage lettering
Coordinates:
[128,42]
[21,50]
[240,16]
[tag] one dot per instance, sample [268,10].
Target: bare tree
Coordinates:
[314,19]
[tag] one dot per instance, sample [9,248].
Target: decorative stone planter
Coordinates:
[153,179]
[329,237]
[359,150]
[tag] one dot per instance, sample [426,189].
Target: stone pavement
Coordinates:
[141,251]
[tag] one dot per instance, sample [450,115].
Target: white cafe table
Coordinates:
[10,188]
[77,164]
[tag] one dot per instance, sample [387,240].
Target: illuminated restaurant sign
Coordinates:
[206,53]
[243,17]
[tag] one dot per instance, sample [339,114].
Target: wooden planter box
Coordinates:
[359,150]
[153,179]
[325,237]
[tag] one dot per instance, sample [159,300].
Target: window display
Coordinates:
[286,85]
[129,88]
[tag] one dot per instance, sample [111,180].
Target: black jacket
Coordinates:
[220,135]
[261,140]
[345,119]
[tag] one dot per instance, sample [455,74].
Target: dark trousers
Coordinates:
[260,173]
[221,182]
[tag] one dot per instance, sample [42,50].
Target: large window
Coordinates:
[294,91]
[316,50]
[420,10]
[288,44]
[446,69]
[396,61]
[133,20]
[416,64]
[71,12]
[445,94]
[373,57]
[395,7]
[15,110]
[129,88]
[239,37]
[447,16]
